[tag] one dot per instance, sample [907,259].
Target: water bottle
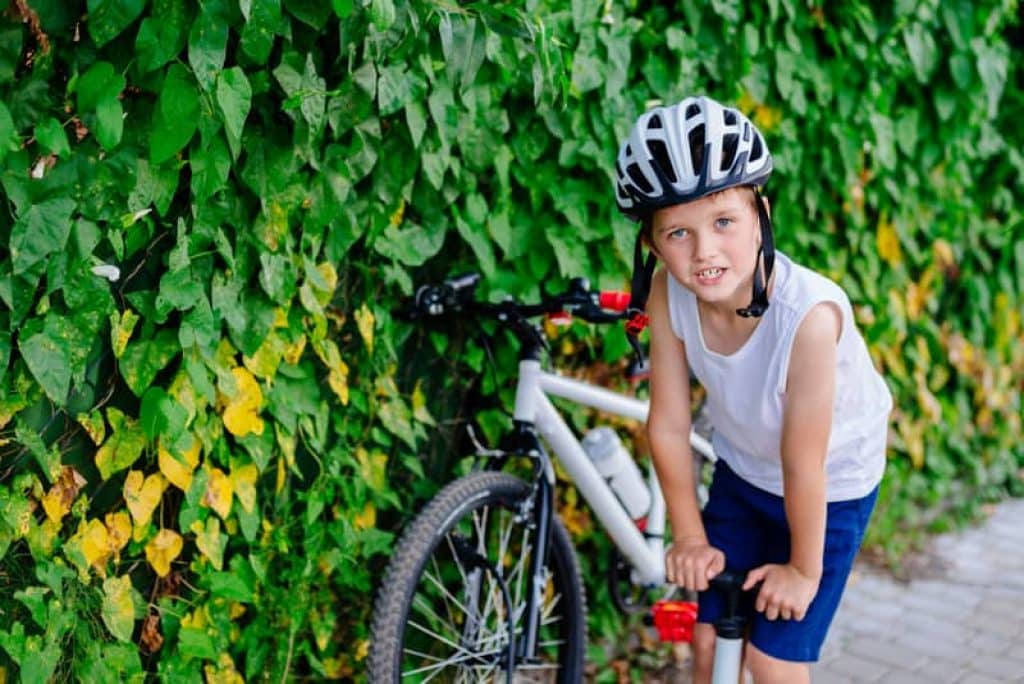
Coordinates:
[604,448]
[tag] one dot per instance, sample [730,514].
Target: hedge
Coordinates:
[211,424]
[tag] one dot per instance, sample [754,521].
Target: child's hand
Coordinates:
[691,564]
[786,592]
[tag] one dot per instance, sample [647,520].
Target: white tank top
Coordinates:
[746,390]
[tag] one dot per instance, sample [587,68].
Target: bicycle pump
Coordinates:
[729,628]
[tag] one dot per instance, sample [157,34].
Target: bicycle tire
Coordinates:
[461,504]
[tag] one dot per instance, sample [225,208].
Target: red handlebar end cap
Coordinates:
[614,300]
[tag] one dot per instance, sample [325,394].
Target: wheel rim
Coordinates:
[457,627]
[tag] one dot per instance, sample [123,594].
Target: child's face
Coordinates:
[710,245]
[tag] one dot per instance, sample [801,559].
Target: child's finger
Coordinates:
[754,576]
[716,566]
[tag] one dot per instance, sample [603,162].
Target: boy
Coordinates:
[799,412]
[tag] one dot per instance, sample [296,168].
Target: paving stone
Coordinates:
[978,678]
[886,652]
[999,625]
[942,670]
[1004,669]
[861,670]
[821,674]
[984,643]
[951,650]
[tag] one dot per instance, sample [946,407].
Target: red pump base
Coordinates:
[674,620]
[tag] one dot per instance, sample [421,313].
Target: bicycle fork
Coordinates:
[729,628]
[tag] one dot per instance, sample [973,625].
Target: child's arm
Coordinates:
[807,423]
[690,561]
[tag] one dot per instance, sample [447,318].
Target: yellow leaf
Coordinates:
[362,649]
[243,480]
[280,318]
[282,475]
[57,502]
[218,492]
[272,225]
[372,467]
[119,530]
[241,414]
[888,242]
[209,541]
[293,352]
[365,321]
[367,518]
[943,252]
[184,393]
[329,274]
[179,471]
[143,495]
[95,544]
[337,378]
[121,327]
[399,214]
[162,550]
[419,406]
[265,360]
[223,673]
[93,425]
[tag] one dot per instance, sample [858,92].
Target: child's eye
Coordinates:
[679,233]
[723,222]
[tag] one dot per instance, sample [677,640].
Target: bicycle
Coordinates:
[515,611]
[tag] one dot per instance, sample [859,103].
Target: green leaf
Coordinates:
[342,8]
[162,34]
[50,134]
[47,458]
[207,47]
[123,447]
[234,97]
[211,165]
[993,63]
[416,120]
[923,52]
[97,84]
[231,587]
[34,599]
[143,359]
[179,290]
[9,141]
[382,14]
[478,240]
[176,116]
[118,609]
[108,18]
[45,351]
[39,232]
[263,22]
[278,277]
[161,416]
[110,123]
[409,243]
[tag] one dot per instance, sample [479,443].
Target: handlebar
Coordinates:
[456,295]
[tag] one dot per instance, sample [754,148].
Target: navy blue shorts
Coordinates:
[749,526]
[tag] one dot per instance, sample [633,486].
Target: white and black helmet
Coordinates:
[681,153]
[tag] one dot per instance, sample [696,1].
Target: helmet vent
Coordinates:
[692,111]
[659,152]
[696,138]
[729,143]
[755,150]
[730,117]
[655,122]
[638,178]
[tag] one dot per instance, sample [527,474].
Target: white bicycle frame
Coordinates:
[644,550]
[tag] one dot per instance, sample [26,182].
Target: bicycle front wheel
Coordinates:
[441,616]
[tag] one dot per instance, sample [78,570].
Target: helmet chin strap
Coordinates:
[640,288]
[759,302]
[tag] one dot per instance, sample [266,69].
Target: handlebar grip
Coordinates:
[613,300]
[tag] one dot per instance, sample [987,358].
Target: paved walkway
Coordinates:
[961,622]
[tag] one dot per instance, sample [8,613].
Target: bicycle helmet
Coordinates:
[679,154]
